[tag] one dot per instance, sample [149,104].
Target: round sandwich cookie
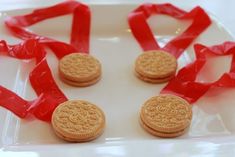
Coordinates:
[155,66]
[154,81]
[81,84]
[78,121]
[166,116]
[79,69]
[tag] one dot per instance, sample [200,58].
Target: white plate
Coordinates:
[119,93]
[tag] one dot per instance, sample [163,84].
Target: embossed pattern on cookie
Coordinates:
[79,67]
[78,121]
[156,64]
[166,113]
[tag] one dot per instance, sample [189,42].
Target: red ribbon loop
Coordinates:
[80,33]
[143,34]
[184,84]
[40,78]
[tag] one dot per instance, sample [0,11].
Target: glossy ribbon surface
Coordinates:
[41,79]
[184,84]
[143,34]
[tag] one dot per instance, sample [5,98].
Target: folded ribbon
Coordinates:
[41,79]
[80,30]
[184,83]
[143,34]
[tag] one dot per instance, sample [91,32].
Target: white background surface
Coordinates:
[207,146]
[222,9]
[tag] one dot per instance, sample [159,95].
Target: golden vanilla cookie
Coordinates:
[155,65]
[166,115]
[162,134]
[150,80]
[81,84]
[78,121]
[79,67]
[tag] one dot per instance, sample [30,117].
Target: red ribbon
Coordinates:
[143,34]
[79,41]
[41,79]
[184,84]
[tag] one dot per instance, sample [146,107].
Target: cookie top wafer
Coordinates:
[78,120]
[156,64]
[79,67]
[166,113]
